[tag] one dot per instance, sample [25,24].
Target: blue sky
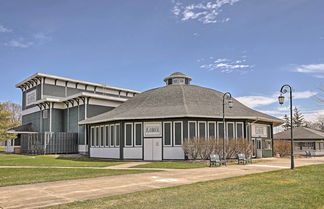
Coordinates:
[248,47]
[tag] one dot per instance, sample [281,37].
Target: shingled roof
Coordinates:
[26,128]
[175,101]
[300,133]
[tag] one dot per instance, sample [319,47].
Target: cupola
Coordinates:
[177,78]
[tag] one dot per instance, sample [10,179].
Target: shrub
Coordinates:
[201,148]
[282,147]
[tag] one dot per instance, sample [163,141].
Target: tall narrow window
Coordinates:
[117,135]
[112,135]
[212,129]
[177,133]
[97,137]
[138,134]
[129,134]
[92,136]
[220,130]
[268,131]
[102,136]
[167,133]
[107,136]
[230,130]
[192,130]
[239,131]
[202,129]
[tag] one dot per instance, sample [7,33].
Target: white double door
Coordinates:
[153,149]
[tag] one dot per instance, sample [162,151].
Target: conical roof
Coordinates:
[175,101]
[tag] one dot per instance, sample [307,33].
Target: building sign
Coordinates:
[153,129]
[30,97]
[259,130]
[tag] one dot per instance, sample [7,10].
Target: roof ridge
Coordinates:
[184,99]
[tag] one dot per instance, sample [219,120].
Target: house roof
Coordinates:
[175,101]
[26,128]
[300,133]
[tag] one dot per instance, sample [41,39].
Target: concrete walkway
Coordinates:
[60,192]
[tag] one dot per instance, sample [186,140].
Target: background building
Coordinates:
[54,104]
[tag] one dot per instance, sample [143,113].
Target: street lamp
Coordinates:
[227,96]
[281,99]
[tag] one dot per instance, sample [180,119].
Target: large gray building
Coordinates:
[154,124]
[57,104]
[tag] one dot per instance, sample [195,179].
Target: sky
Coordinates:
[247,47]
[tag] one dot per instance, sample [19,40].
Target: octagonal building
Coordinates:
[154,124]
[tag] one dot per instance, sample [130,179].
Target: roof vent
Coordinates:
[177,78]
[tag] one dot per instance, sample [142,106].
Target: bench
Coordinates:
[215,159]
[308,153]
[242,159]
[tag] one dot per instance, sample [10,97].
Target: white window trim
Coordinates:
[174,133]
[218,132]
[202,122]
[131,135]
[242,129]
[136,145]
[100,137]
[171,135]
[215,128]
[112,126]
[234,130]
[34,94]
[196,133]
[117,124]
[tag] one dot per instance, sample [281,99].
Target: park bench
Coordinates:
[308,153]
[242,159]
[215,159]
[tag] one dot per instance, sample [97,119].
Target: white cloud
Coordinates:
[19,43]
[3,29]
[42,37]
[227,65]
[205,12]
[257,101]
[317,70]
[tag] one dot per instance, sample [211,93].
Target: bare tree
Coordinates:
[15,110]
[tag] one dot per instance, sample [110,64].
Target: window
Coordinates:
[167,136]
[259,144]
[97,137]
[211,129]
[107,136]
[117,135]
[220,130]
[259,130]
[177,133]
[92,136]
[239,131]
[192,130]
[268,131]
[202,129]
[230,131]
[267,145]
[112,135]
[138,134]
[101,136]
[30,97]
[321,145]
[128,134]
[45,114]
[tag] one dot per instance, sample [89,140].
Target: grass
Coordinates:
[52,160]
[284,189]
[175,165]
[16,176]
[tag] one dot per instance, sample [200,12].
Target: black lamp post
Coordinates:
[281,99]
[227,96]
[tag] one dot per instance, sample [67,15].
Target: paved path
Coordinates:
[53,193]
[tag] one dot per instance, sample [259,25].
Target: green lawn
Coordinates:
[51,160]
[284,189]
[177,165]
[15,176]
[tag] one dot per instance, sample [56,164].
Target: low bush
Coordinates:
[201,148]
[282,147]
